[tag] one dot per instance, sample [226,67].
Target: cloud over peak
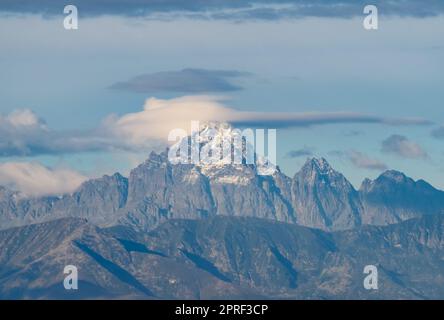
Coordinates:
[160,116]
[22,134]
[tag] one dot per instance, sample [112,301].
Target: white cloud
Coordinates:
[22,118]
[402,146]
[362,160]
[160,116]
[33,179]
[22,133]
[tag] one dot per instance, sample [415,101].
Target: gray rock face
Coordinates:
[223,257]
[240,191]
[180,190]
[96,200]
[323,198]
[15,210]
[393,197]
[188,191]
[8,208]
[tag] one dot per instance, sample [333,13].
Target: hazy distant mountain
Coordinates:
[157,190]
[393,197]
[223,257]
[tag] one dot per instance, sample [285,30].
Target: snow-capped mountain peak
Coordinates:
[218,144]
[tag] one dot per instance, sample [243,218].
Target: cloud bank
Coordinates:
[403,147]
[22,133]
[160,116]
[33,179]
[228,10]
[185,81]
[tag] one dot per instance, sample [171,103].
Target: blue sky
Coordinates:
[281,58]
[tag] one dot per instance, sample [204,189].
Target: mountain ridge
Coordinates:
[316,196]
[221,257]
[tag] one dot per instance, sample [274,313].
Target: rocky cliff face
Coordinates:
[192,192]
[323,198]
[179,190]
[15,210]
[96,200]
